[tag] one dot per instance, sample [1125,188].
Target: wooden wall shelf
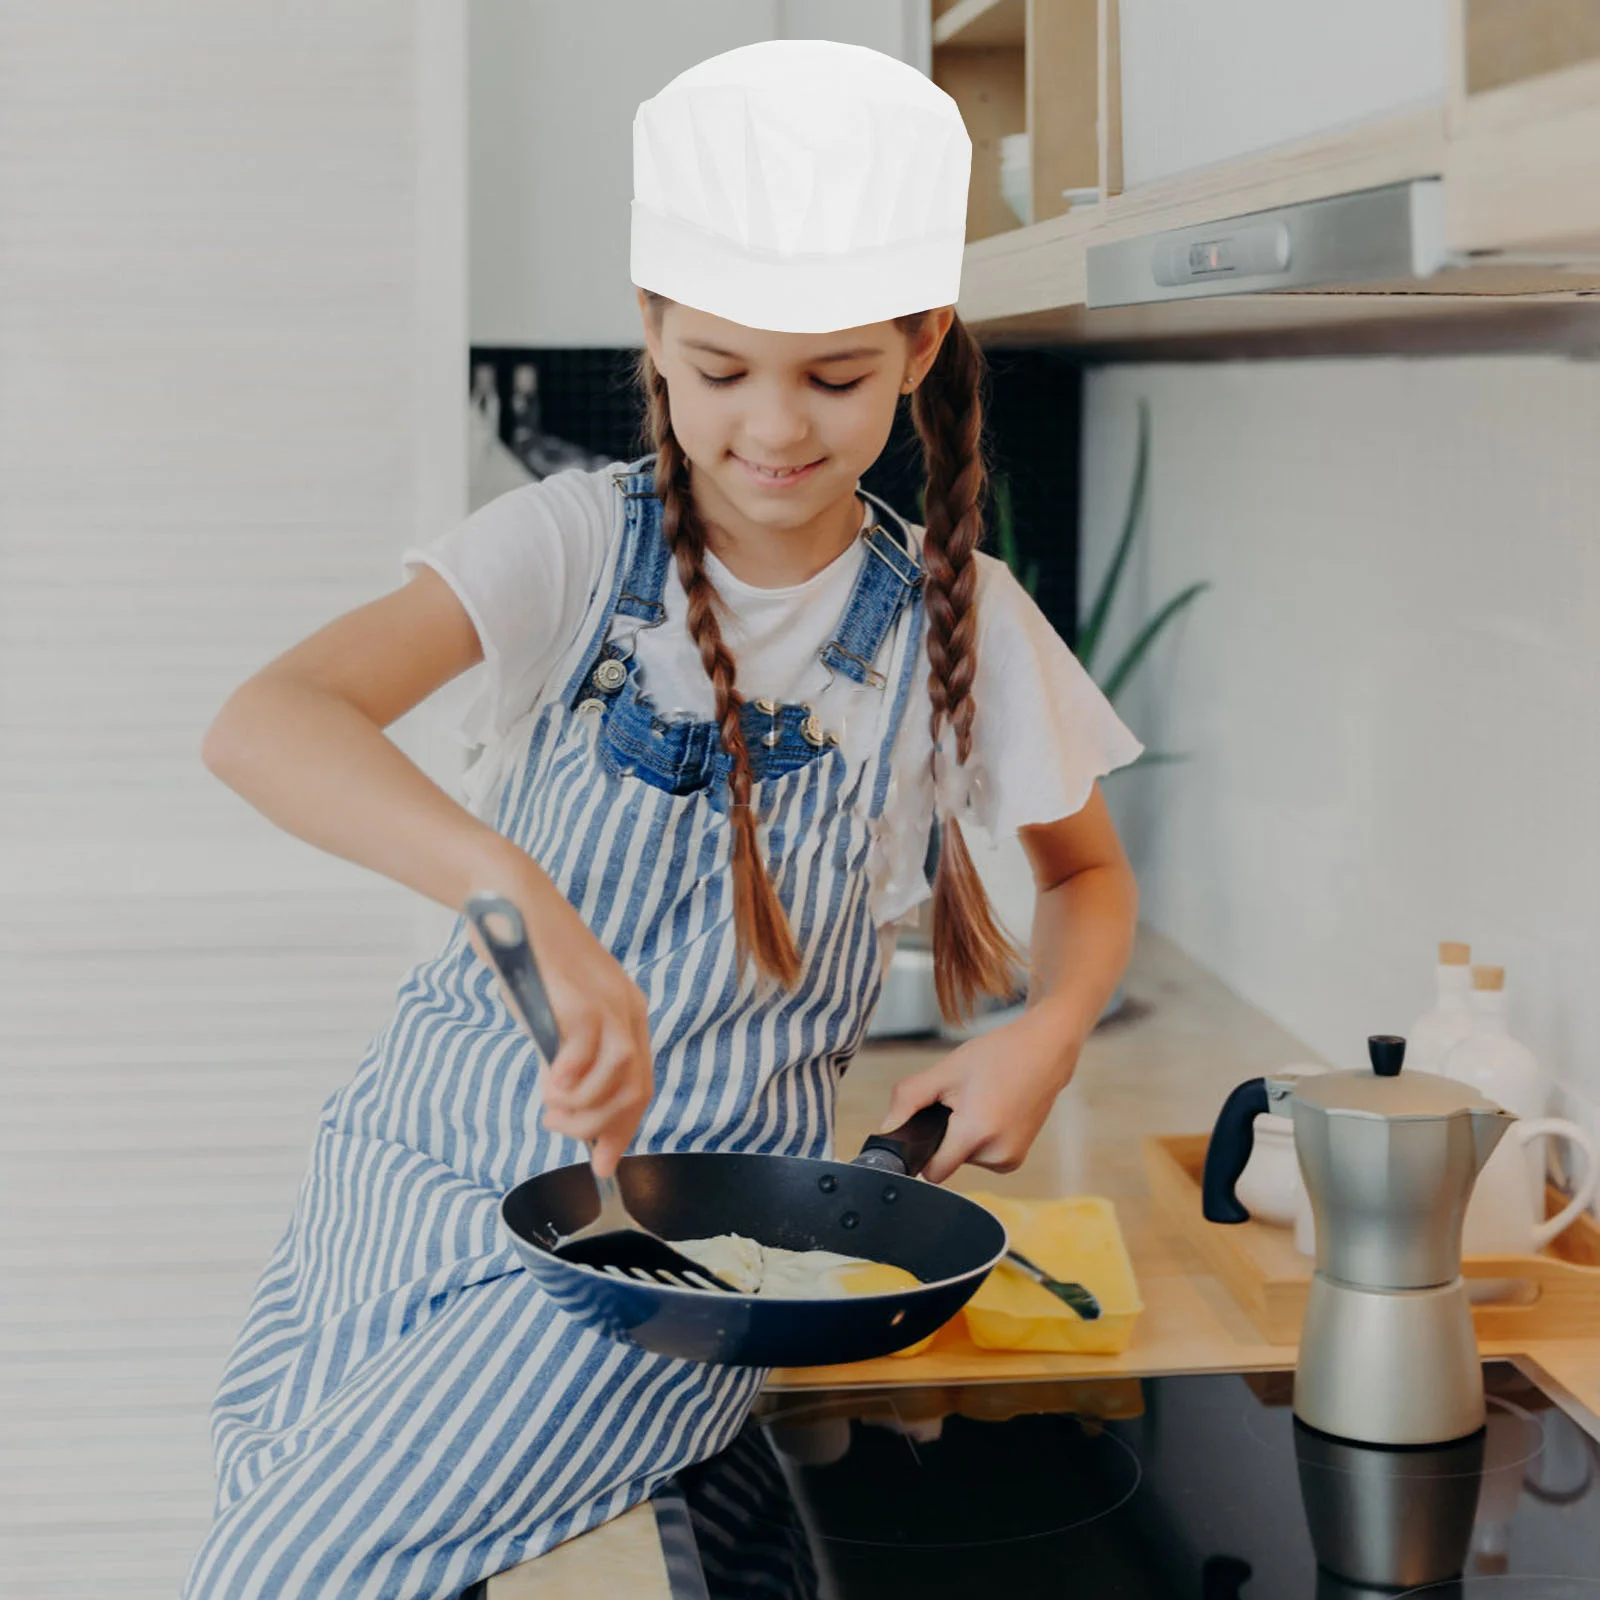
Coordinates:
[1516,141]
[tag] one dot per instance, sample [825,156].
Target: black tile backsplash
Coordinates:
[1032,428]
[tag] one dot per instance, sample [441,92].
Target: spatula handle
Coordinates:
[504,935]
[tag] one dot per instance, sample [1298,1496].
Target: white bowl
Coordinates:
[1016,176]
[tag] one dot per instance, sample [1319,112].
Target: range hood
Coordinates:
[1372,236]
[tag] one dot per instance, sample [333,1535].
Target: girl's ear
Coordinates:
[925,348]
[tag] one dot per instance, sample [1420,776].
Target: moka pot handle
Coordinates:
[1228,1154]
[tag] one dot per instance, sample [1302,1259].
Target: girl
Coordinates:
[724,694]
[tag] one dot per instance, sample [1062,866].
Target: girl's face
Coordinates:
[747,399]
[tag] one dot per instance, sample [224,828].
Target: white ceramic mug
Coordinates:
[1501,1219]
[1506,1213]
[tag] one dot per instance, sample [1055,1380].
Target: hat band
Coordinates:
[810,293]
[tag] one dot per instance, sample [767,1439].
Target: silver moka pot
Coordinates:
[1387,1349]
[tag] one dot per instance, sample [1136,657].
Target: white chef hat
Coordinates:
[801,185]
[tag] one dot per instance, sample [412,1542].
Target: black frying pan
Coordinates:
[874,1206]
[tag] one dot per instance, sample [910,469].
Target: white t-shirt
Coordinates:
[526,565]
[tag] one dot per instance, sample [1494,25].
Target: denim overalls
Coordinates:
[404,1412]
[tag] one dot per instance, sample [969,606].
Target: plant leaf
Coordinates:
[1146,637]
[1093,625]
[1005,532]
[1006,537]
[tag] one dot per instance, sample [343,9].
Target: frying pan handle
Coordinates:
[504,935]
[910,1147]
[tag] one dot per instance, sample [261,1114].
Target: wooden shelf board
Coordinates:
[1522,168]
[980,24]
[1260,326]
[1511,41]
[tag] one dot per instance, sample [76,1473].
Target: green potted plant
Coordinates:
[1002,864]
[1091,630]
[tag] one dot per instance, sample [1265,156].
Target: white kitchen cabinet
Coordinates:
[1205,81]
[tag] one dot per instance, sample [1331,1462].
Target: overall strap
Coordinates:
[641,562]
[889,576]
[910,654]
[642,586]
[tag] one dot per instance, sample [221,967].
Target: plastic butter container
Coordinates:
[1076,1239]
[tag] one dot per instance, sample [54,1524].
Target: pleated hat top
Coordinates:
[800,185]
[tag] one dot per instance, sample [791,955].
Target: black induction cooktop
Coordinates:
[1197,1487]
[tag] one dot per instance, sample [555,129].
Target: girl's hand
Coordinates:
[999,1086]
[600,1083]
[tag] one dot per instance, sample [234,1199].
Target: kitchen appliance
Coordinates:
[1504,1217]
[1387,1349]
[1370,236]
[1181,1487]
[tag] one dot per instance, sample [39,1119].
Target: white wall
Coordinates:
[232,381]
[554,88]
[1390,693]
[1204,80]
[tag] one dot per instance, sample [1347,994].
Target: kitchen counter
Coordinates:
[1163,1065]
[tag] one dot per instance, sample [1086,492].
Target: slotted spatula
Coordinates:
[615,1241]
[1072,1294]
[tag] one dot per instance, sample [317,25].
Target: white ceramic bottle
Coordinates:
[1505,1070]
[1437,1029]
[1487,1057]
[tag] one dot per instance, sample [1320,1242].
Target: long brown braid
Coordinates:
[972,956]
[761,927]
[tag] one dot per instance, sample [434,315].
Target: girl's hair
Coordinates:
[972,956]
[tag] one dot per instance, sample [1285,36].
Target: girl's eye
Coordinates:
[830,388]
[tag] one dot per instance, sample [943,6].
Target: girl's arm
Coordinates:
[1001,1085]
[303,742]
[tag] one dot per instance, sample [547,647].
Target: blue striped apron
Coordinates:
[404,1412]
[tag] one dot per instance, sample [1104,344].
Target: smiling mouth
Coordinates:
[777,472]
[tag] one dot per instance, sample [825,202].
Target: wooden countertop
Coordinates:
[1164,1065]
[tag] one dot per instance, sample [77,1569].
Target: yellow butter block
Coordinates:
[1076,1239]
